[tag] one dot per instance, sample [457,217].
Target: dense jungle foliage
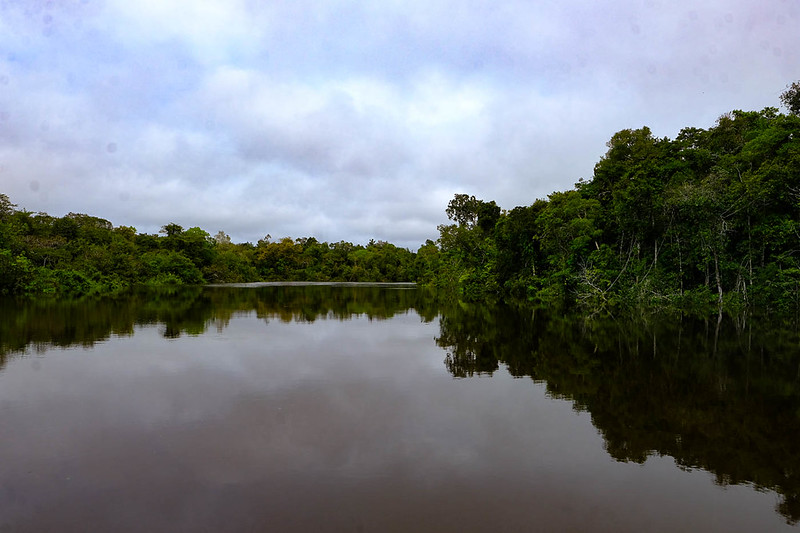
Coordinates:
[710,218]
[80,254]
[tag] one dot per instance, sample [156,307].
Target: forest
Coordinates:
[708,219]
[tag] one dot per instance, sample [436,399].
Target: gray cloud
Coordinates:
[346,120]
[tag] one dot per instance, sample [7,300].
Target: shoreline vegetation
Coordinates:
[708,220]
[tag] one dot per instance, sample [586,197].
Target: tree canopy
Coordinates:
[791,98]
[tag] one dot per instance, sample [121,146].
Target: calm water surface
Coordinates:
[375,409]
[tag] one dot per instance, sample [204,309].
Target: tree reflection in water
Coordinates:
[723,396]
[192,310]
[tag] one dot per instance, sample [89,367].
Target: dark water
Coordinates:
[376,409]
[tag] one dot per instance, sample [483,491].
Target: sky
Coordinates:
[355,120]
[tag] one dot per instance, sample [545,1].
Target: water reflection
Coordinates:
[192,310]
[722,396]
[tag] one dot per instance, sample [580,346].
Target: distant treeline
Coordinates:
[80,254]
[709,218]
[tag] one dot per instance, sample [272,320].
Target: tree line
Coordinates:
[78,254]
[711,217]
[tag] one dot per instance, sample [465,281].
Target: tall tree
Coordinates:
[791,98]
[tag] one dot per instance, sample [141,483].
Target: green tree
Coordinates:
[463,210]
[170,267]
[791,98]
[280,261]
[171,230]
[197,245]
[6,208]
[15,273]
[468,252]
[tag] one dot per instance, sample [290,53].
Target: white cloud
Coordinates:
[353,121]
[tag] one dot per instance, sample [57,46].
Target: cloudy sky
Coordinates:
[351,120]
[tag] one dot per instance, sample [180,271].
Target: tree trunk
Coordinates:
[716,276]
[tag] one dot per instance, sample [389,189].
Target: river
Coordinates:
[379,408]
